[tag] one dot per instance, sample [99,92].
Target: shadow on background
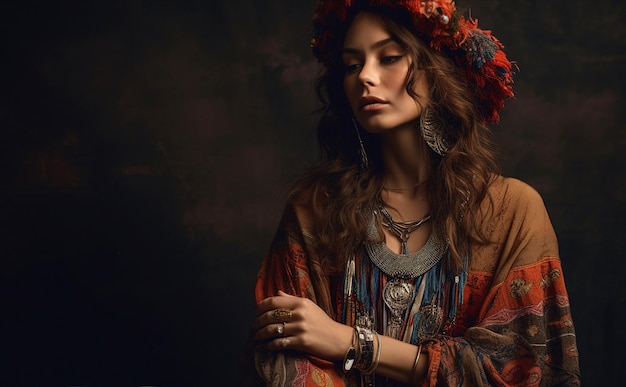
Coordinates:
[145,156]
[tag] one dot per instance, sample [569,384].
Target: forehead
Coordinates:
[365,29]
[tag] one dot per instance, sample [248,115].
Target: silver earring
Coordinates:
[432,132]
[364,161]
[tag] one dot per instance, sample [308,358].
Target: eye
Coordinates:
[390,59]
[350,68]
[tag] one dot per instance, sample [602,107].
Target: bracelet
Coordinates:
[348,359]
[379,349]
[417,358]
[366,348]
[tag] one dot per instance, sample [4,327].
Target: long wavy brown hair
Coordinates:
[338,191]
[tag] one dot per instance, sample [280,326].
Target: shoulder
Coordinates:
[517,225]
[515,197]
[298,213]
[514,189]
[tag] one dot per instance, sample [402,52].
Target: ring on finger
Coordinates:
[280,330]
[281,314]
[285,342]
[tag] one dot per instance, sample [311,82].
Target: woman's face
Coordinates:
[376,67]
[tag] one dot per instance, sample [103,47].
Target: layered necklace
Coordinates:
[401,230]
[401,269]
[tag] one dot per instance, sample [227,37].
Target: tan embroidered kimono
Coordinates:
[513,328]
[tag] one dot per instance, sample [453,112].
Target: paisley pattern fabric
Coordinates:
[513,328]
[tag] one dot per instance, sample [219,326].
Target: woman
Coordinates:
[403,257]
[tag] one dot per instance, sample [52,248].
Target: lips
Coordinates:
[370,103]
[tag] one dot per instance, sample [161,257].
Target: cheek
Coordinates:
[422,86]
[397,82]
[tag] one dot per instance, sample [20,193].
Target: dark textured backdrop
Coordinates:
[145,151]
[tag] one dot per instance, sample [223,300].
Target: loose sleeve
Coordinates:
[290,267]
[524,333]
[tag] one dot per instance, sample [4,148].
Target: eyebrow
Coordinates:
[380,43]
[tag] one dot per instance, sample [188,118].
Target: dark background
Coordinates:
[147,145]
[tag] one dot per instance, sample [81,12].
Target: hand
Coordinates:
[301,325]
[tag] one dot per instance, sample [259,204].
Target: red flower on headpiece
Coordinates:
[477,54]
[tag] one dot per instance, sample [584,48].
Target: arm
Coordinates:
[494,351]
[312,345]
[523,333]
[288,267]
[525,336]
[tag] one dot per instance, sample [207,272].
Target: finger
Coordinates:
[272,331]
[273,302]
[279,315]
[264,305]
[281,329]
[282,343]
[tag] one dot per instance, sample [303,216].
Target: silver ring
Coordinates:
[285,342]
[280,329]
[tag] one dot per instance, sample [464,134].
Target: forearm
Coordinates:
[397,361]
[385,356]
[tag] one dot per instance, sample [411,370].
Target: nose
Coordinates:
[368,76]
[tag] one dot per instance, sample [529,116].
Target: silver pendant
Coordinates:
[397,294]
[431,317]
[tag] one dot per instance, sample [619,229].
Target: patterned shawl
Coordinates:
[514,327]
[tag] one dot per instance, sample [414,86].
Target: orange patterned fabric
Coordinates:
[514,327]
[524,335]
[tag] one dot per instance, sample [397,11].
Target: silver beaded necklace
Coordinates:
[398,292]
[403,265]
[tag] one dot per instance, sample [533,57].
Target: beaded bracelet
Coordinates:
[366,348]
[379,348]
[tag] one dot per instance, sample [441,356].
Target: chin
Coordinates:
[373,125]
[379,128]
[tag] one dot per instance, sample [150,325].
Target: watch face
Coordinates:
[349,360]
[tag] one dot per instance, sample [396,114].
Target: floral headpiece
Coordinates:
[477,54]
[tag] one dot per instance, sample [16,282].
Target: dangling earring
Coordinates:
[364,161]
[432,131]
